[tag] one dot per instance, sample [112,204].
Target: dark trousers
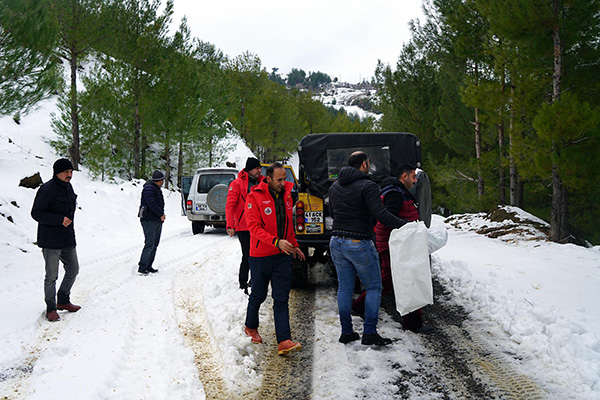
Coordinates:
[71,264]
[411,321]
[244,238]
[277,270]
[152,230]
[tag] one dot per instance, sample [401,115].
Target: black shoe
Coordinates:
[143,271]
[375,339]
[349,338]
[151,270]
[425,329]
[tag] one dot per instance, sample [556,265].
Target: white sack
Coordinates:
[437,237]
[411,276]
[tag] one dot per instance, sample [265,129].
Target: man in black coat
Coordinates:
[355,206]
[152,216]
[54,210]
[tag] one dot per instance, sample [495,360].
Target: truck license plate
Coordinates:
[313,217]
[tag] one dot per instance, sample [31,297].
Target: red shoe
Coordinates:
[287,346]
[253,333]
[69,307]
[52,316]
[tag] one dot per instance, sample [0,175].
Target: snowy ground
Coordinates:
[178,334]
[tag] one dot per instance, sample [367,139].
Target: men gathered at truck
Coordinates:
[235,213]
[269,209]
[354,202]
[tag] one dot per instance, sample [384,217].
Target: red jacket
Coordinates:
[262,222]
[403,202]
[236,202]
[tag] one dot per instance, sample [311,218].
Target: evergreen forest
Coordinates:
[503,95]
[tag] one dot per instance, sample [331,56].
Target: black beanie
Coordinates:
[61,165]
[157,176]
[251,163]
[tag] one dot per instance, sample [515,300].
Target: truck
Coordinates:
[321,156]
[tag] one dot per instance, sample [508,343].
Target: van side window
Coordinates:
[208,181]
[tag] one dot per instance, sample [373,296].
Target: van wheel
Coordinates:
[197,227]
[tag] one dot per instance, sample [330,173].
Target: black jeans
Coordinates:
[152,230]
[244,238]
[275,269]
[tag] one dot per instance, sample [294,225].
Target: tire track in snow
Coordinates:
[100,276]
[290,376]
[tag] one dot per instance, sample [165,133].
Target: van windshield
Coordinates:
[208,181]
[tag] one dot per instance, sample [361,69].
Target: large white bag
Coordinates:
[409,259]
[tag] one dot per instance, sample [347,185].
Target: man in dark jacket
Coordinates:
[235,212]
[355,204]
[152,216]
[397,199]
[54,210]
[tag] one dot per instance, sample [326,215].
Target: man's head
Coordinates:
[252,167]
[63,169]
[276,177]
[407,175]
[360,161]
[158,177]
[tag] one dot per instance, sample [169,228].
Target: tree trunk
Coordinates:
[559,220]
[501,176]
[136,136]
[74,152]
[180,162]
[516,186]
[480,188]
[167,160]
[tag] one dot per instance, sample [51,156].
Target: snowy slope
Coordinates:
[178,335]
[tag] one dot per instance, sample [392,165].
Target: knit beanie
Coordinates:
[251,163]
[157,176]
[61,165]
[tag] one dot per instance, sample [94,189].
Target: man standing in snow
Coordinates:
[273,243]
[235,212]
[54,210]
[398,200]
[354,202]
[152,216]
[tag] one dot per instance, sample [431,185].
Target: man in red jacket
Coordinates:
[235,212]
[398,200]
[269,217]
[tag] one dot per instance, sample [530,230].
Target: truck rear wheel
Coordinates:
[299,273]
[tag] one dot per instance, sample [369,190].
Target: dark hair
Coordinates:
[357,158]
[404,168]
[272,168]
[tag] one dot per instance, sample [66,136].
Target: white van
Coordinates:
[205,203]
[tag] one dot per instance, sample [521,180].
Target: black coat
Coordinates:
[154,201]
[54,201]
[356,205]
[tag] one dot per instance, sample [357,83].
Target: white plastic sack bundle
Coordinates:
[411,276]
[437,237]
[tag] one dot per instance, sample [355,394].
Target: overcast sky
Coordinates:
[343,38]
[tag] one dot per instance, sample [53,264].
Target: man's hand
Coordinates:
[66,222]
[298,254]
[230,232]
[285,246]
[163,218]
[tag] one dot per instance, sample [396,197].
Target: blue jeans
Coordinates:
[352,257]
[71,264]
[276,269]
[152,230]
